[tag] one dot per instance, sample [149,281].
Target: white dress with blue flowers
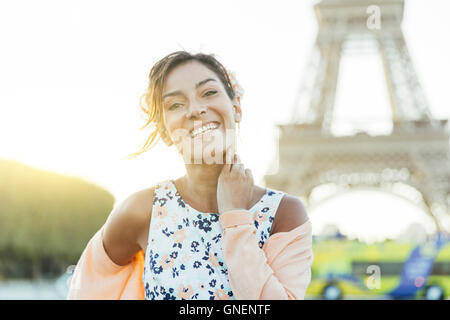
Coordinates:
[184,258]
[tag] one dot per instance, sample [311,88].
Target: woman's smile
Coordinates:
[201,130]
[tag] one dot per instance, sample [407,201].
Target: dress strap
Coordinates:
[272,201]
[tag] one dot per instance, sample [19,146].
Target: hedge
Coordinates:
[46,220]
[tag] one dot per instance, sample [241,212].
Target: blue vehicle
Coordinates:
[345,268]
[417,269]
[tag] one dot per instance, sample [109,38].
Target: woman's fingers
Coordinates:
[238,166]
[235,187]
[233,163]
[229,157]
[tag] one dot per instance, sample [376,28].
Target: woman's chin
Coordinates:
[208,155]
[207,148]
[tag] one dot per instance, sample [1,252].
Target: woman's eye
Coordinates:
[174,106]
[210,93]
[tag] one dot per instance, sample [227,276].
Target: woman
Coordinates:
[211,234]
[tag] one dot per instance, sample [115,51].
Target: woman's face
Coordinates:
[198,114]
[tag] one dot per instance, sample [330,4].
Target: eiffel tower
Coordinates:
[413,161]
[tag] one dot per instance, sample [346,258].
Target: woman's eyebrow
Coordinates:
[178,92]
[203,82]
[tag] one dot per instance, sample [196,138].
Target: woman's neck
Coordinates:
[199,185]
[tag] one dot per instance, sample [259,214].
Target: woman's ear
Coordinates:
[237,111]
[237,116]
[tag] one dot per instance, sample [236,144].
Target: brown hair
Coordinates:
[152,106]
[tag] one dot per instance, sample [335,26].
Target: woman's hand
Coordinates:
[234,187]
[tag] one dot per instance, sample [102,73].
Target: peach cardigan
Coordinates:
[280,270]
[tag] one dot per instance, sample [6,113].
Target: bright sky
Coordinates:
[72,73]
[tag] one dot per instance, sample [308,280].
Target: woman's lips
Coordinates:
[198,125]
[203,125]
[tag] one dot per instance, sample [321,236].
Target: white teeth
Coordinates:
[203,129]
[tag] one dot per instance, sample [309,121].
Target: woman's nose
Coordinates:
[195,111]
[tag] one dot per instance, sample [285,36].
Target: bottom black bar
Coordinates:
[222,309]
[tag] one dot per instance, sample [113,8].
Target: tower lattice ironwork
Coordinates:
[413,161]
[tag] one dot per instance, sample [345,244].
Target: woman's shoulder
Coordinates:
[290,214]
[135,207]
[139,202]
[128,222]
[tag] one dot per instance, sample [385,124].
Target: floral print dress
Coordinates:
[184,258]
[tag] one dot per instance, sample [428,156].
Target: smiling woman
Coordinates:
[211,234]
[156,103]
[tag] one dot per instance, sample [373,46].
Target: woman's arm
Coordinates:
[115,273]
[290,214]
[125,226]
[282,268]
